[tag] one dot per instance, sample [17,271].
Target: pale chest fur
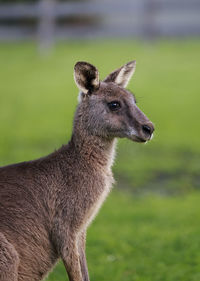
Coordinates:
[100,198]
[100,183]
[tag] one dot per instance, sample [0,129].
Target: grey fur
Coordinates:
[47,204]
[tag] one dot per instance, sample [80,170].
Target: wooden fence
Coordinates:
[50,19]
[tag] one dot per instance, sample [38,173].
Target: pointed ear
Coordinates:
[86,76]
[122,75]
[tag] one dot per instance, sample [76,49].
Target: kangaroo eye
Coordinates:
[114,105]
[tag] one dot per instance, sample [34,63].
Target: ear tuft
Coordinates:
[86,76]
[122,75]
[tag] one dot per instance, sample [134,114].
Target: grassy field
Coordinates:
[142,233]
[38,98]
[146,239]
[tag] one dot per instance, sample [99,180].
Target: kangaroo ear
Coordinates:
[122,75]
[86,76]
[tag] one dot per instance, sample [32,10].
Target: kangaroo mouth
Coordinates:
[138,139]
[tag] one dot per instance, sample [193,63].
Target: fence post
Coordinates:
[149,25]
[46,25]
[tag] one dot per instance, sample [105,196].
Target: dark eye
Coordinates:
[114,105]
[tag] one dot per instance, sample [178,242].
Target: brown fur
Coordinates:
[46,205]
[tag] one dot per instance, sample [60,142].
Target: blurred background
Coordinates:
[149,228]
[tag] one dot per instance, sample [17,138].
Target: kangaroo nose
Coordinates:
[148,129]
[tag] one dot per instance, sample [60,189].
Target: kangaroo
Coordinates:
[47,204]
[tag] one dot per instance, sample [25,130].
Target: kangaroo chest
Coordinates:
[102,190]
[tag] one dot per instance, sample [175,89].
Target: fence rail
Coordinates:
[100,18]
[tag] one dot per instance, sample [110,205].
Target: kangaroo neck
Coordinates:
[95,150]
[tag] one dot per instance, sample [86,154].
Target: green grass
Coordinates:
[38,98]
[135,237]
[145,239]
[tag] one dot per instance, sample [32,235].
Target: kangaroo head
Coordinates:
[106,109]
